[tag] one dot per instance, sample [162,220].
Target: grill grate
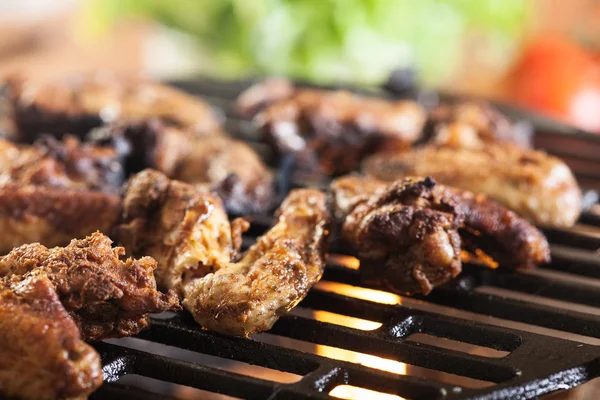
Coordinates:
[538,362]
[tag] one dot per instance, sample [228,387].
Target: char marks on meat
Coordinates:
[329,130]
[55,191]
[405,234]
[408,233]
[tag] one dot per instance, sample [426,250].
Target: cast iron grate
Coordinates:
[536,363]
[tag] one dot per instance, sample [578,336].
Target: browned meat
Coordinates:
[272,277]
[55,191]
[231,169]
[186,231]
[330,131]
[500,233]
[532,183]
[80,103]
[42,355]
[106,296]
[228,167]
[474,125]
[405,234]
[389,224]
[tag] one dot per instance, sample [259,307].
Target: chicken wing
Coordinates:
[272,277]
[54,191]
[42,355]
[106,296]
[188,232]
[332,129]
[80,103]
[405,232]
[185,230]
[473,125]
[226,166]
[534,184]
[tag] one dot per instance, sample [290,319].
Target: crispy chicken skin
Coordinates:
[272,277]
[474,125]
[80,103]
[405,234]
[105,295]
[333,130]
[220,164]
[185,230]
[42,355]
[535,185]
[54,191]
[380,219]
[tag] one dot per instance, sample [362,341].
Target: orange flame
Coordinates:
[393,366]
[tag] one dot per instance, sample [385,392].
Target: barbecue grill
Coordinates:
[486,335]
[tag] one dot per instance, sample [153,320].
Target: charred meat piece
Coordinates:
[473,125]
[106,296]
[81,103]
[42,355]
[185,230]
[405,234]
[377,218]
[54,191]
[272,277]
[333,130]
[226,166]
[535,185]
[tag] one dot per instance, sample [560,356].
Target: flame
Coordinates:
[376,296]
[393,366]
[478,257]
[353,392]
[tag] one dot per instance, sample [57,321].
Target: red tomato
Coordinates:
[559,78]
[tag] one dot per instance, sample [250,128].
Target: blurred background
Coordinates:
[542,54]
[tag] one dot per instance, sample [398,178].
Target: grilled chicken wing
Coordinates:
[42,355]
[106,296]
[196,247]
[534,184]
[473,125]
[54,191]
[272,277]
[78,104]
[332,130]
[185,230]
[405,232]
